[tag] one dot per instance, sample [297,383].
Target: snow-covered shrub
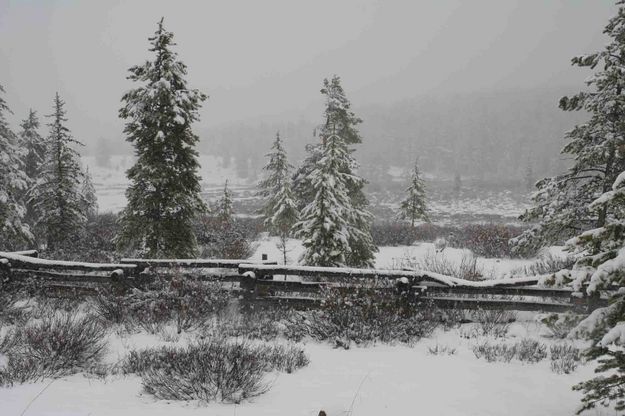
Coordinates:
[365,313]
[215,370]
[564,358]
[561,324]
[54,346]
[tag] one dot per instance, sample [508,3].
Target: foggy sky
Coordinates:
[265,60]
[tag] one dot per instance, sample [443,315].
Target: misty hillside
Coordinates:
[489,137]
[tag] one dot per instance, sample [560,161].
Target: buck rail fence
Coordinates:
[300,287]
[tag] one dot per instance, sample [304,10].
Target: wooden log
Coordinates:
[501,290]
[27,253]
[414,276]
[62,276]
[30,263]
[190,263]
[498,304]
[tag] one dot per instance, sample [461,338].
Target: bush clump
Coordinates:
[365,313]
[216,370]
[61,344]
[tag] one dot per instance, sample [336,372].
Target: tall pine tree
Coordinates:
[589,201]
[164,191]
[56,194]
[561,204]
[89,198]
[34,146]
[325,227]
[14,233]
[413,206]
[280,209]
[340,121]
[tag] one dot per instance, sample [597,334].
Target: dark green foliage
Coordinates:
[164,191]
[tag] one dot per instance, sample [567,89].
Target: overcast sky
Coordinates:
[265,59]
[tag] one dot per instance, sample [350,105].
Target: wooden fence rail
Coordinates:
[290,287]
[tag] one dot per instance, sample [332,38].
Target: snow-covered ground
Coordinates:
[373,381]
[387,257]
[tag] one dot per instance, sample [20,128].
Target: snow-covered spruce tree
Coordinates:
[341,122]
[280,209]
[34,147]
[56,194]
[89,199]
[325,222]
[413,207]
[164,191]
[592,205]
[561,204]
[14,233]
[602,266]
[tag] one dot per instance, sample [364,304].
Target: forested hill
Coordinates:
[493,136]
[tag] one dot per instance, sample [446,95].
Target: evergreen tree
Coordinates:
[602,265]
[56,194]
[562,203]
[33,144]
[164,191]
[280,210]
[413,207]
[324,226]
[589,200]
[89,198]
[225,212]
[34,147]
[13,182]
[341,122]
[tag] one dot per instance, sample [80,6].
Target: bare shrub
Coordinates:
[564,358]
[439,349]
[526,350]
[215,370]
[494,352]
[62,344]
[188,302]
[486,240]
[494,322]
[467,268]
[546,263]
[530,350]
[263,324]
